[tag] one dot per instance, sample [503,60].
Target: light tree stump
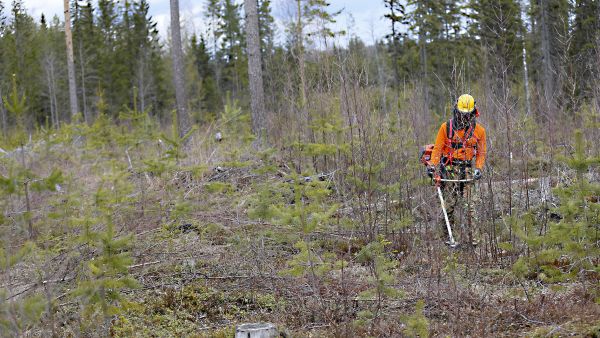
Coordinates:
[256,330]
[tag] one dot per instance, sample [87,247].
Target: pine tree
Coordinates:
[21,181]
[317,14]
[16,105]
[21,315]
[570,245]
[118,52]
[52,46]
[22,55]
[550,30]
[417,324]
[145,47]
[266,29]
[309,14]
[422,25]
[86,39]
[178,68]
[498,24]
[107,274]
[124,65]
[396,16]
[255,71]
[207,98]
[381,268]
[584,50]
[301,204]
[70,61]
[2,17]
[438,29]
[107,29]
[159,90]
[231,53]
[213,16]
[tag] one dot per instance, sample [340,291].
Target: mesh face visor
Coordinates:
[462,119]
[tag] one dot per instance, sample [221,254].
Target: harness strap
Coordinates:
[462,143]
[456,145]
[449,136]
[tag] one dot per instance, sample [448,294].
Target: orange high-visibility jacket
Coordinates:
[475,146]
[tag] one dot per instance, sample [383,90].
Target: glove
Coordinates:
[477,174]
[430,171]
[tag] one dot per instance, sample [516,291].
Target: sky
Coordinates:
[362,18]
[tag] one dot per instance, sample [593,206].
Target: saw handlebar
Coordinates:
[456,181]
[437,180]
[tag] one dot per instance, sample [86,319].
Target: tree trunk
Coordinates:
[183,118]
[305,123]
[52,93]
[141,83]
[548,84]
[3,115]
[70,63]
[395,45]
[215,49]
[423,58]
[525,70]
[86,112]
[256,330]
[257,95]
[50,81]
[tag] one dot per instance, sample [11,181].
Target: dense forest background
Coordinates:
[299,201]
[540,59]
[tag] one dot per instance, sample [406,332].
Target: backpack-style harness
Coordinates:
[453,145]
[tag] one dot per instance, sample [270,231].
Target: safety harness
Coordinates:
[456,144]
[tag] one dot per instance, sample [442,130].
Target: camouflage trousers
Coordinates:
[460,199]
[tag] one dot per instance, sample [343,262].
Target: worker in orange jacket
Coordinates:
[459,154]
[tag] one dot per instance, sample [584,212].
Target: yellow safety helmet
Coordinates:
[465,104]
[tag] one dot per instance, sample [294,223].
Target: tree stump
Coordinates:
[256,330]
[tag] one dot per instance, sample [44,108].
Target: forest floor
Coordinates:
[207,283]
[227,270]
[203,273]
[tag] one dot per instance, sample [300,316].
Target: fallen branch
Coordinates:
[531,320]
